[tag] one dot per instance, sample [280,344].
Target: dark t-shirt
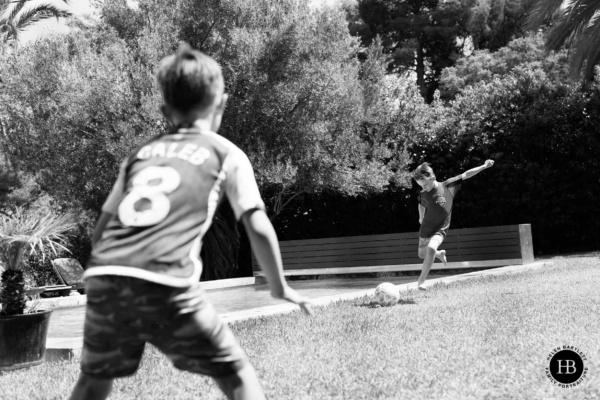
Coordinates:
[438,207]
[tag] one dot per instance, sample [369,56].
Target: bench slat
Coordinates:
[366,254]
[392,236]
[394,247]
[412,241]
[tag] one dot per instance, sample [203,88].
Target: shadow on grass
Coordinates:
[587,254]
[376,304]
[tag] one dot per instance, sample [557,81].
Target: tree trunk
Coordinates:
[12,292]
[420,69]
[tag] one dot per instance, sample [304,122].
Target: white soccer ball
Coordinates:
[387,294]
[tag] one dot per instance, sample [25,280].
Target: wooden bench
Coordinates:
[467,248]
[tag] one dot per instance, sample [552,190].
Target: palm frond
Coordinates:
[23,230]
[4,5]
[542,11]
[10,31]
[563,33]
[17,9]
[577,26]
[587,50]
[575,18]
[39,13]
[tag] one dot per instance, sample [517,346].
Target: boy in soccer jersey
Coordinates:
[435,211]
[142,280]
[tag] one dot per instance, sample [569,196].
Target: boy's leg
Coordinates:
[242,385]
[197,340]
[430,252]
[422,252]
[111,347]
[90,388]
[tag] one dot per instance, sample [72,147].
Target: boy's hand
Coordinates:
[488,163]
[292,296]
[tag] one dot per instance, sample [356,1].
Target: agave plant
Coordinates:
[22,234]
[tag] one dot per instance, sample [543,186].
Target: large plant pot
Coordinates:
[23,340]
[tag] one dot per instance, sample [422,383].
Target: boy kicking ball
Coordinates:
[142,279]
[435,210]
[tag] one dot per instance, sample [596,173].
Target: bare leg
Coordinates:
[89,388]
[242,386]
[429,254]
[427,263]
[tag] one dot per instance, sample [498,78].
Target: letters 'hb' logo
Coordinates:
[566,367]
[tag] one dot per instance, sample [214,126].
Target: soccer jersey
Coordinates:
[163,203]
[438,207]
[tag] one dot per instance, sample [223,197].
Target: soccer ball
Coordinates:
[387,294]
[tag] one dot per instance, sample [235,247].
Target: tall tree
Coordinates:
[575,24]
[494,23]
[419,35]
[17,16]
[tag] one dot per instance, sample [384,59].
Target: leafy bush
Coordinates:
[484,66]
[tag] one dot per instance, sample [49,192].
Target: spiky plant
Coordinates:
[18,15]
[22,234]
[575,24]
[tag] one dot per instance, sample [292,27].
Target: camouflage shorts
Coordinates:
[436,240]
[124,313]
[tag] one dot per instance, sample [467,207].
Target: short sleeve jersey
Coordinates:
[438,207]
[163,202]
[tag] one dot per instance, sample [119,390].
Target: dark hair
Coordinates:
[423,171]
[189,79]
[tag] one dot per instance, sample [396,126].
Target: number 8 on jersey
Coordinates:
[149,188]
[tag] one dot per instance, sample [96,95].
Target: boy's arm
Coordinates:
[421,213]
[266,249]
[100,225]
[110,206]
[474,171]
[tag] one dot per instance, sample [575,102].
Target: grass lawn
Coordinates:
[485,338]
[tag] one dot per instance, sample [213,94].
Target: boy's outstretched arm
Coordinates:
[474,171]
[266,249]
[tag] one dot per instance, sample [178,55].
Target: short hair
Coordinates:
[190,79]
[423,171]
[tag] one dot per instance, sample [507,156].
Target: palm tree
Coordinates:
[20,232]
[16,16]
[576,24]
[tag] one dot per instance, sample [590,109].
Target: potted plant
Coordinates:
[23,331]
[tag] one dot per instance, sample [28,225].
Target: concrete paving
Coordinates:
[237,303]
